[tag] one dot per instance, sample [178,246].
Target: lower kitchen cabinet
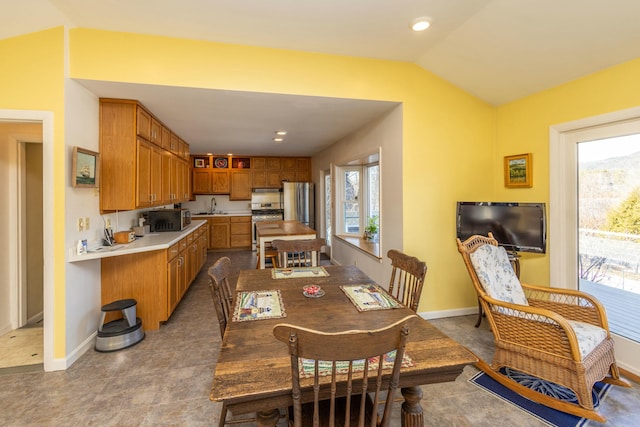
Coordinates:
[219,233]
[157,280]
[240,233]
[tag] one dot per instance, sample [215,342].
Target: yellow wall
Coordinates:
[523,127]
[446,132]
[32,78]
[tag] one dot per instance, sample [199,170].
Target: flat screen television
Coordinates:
[519,227]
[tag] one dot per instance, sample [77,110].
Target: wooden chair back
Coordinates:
[324,389]
[220,291]
[298,253]
[407,278]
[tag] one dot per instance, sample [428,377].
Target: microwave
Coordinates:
[167,219]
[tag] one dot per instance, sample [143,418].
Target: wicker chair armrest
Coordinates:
[570,304]
[536,328]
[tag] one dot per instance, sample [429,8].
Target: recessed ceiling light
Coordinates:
[229,154]
[209,154]
[420,24]
[281,132]
[278,139]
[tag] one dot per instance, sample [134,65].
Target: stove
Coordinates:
[266,205]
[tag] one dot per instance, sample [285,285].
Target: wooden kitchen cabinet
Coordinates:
[219,181]
[240,185]
[132,159]
[242,174]
[149,180]
[157,280]
[220,233]
[176,276]
[240,229]
[269,172]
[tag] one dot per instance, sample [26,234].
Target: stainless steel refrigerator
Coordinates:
[298,199]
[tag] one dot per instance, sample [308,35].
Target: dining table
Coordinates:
[267,231]
[253,371]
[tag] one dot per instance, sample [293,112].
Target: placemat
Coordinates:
[306,366]
[258,305]
[369,297]
[298,272]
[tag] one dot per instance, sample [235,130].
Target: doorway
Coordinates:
[18,126]
[23,345]
[566,232]
[609,228]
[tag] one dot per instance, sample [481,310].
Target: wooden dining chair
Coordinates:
[345,378]
[298,253]
[223,302]
[407,278]
[220,291]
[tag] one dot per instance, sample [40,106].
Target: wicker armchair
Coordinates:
[558,335]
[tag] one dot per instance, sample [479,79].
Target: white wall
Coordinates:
[82,291]
[384,133]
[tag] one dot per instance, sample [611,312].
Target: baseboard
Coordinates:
[35,319]
[440,314]
[629,373]
[6,330]
[65,363]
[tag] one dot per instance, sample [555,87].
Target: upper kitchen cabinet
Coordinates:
[242,174]
[269,172]
[135,161]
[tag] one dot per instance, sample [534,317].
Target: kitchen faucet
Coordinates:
[213,205]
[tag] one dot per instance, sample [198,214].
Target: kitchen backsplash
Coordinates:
[222,202]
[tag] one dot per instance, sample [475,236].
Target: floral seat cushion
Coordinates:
[496,274]
[499,281]
[588,336]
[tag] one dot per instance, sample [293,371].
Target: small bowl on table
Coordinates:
[312,291]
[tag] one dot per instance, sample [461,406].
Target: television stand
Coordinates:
[514,259]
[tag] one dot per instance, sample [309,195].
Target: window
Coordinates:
[358,198]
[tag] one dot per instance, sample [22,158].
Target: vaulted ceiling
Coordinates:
[497,50]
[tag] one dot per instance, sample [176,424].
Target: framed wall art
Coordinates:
[518,171]
[85,167]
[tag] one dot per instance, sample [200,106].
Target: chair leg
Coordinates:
[223,415]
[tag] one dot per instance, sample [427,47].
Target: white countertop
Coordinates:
[226,213]
[149,242]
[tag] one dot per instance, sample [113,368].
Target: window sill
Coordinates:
[370,248]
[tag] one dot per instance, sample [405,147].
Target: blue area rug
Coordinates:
[545,414]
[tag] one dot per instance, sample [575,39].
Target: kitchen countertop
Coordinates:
[149,242]
[226,213]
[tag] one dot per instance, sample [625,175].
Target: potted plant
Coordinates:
[371,230]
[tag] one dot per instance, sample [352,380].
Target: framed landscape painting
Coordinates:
[517,171]
[85,167]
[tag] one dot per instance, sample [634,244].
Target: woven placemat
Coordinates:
[370,297]
[298,272]
[258,305]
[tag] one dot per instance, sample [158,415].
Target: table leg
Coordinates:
[411,414]
[268,418]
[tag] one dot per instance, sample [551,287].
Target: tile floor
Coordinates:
[165,379]
[22,347]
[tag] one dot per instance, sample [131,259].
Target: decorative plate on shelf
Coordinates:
[220,162]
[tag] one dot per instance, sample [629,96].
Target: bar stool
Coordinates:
[120,333]
[269,255]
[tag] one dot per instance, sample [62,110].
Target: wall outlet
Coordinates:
[80,224]
[107,223]
[86,223]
